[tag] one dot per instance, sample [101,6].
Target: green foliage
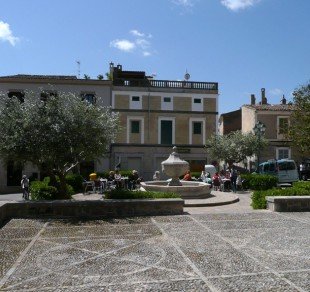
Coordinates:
[195,174]
[259,197]
[259,181]
[100,77]
[234,147]
[59,132]
[76,181]
[302,185]
[127,194]
[41,191]
[105,174]
[299,130]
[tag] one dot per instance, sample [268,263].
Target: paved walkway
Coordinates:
[221,248]
[257,251]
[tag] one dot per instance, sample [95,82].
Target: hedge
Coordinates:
[76,181]
[259,197]
[105,174]
[127,194]
[40,190]
[259,181]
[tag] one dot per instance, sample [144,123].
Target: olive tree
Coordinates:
[299,130]
[235,146]
[55,133]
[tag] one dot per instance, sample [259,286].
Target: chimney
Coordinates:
[283,100]
[253,99]
[119,67]
[264,99]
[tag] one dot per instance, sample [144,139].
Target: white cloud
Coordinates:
[6,34]
[276,92]
[137,33]
[236,5]
[143,43]
[123,45]
[184,3]
[140,43]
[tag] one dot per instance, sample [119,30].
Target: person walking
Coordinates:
[25,186]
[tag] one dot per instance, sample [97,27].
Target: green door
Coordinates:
[166,132]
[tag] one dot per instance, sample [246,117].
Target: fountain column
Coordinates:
[174,167]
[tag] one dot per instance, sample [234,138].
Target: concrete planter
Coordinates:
[288,203]
[91,209]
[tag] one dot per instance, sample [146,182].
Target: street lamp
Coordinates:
[259,130]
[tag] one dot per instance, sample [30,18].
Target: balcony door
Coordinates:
[166,132]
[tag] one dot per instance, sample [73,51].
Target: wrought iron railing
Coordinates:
[165,84]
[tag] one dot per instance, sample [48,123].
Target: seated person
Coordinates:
[187,176]
[118,179]
[156,175]
[110,179]
[222,178]
[203,176]
[134,180]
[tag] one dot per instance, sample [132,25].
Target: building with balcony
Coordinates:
[157,114]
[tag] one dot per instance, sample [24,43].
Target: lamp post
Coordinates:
[259,130]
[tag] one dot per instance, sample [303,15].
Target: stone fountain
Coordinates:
[175,167]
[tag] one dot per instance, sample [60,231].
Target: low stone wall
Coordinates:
[90,209]
[288,203]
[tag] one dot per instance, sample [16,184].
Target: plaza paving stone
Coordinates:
[245,251]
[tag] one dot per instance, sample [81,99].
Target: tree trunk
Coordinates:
[63,186]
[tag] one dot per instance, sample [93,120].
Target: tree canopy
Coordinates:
[234,147]
[55,133]
[299,130]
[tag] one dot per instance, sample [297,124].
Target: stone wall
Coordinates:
[90,209]
[288,203]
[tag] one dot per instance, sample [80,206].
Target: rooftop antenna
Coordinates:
[79,68]
[187,76]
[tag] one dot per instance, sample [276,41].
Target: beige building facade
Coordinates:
[158,114]
[275,117]
[155,115]
[98,91]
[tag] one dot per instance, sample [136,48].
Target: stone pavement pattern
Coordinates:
[257,251]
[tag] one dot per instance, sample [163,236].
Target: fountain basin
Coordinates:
[188,189]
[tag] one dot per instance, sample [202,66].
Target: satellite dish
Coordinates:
[187,76]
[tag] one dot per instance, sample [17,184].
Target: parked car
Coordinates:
[285,169]
[304,170]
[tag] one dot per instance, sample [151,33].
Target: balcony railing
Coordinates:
[166,84]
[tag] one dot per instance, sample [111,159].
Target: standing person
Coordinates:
[216,181]
[25,186]
[239,181]
[233,179]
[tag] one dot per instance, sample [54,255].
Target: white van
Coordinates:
[284,169]
[211,169]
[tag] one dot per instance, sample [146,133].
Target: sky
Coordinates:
[244,45]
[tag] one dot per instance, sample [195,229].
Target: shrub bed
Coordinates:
[298,189]
[41,190]
[259,181]
[76,181]
[105,174]
[127,194]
